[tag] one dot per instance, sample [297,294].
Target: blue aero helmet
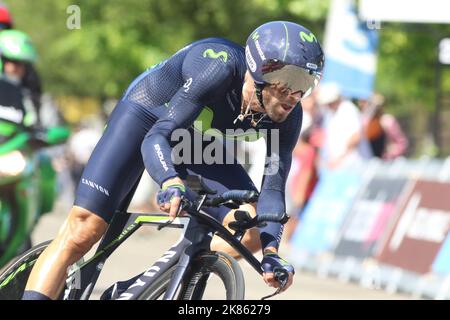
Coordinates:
[286,53]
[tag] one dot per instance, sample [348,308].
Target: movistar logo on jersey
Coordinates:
[255,35]
[307,37]
[203,124]
[210,53]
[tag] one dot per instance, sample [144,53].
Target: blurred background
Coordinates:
[369,188]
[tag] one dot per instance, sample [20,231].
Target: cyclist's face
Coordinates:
[279,101]
[14,69]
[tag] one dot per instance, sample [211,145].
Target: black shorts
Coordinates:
[116,164]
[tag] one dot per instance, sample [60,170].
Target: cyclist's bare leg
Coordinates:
[250,239]
[81,230]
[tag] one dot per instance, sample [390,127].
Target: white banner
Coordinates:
[350,50]
[421,11]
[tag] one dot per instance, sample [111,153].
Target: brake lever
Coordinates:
[282,277]
[273,294]
[169,222]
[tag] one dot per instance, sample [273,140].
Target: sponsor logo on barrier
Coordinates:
[429,224]
[326,210]
[369,217]
[421,228]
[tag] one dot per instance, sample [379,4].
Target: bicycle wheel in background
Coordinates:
[14,276]
[208,267]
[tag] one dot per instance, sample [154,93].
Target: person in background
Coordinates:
[30,80]
[383,131]
[32,83]
[344,142]
[6,21]
[17,54]
[80,146]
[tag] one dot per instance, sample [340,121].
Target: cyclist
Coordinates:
[17,54]
[259,86]
[6,23]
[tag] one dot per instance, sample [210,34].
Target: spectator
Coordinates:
[344,141]
[80,146]
[144,199]
[384,133]
[313,117]
[30,81]
[17,55]
[5,18]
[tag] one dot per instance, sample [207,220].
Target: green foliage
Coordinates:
[119,39]
[406,71]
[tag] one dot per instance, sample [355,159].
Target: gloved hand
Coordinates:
[169,198]
[272,261]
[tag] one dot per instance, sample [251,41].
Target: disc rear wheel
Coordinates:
[213,275]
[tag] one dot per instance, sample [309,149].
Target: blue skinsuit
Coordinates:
[202,80]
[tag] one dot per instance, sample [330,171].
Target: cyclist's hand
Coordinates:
[169,197]
[271,261]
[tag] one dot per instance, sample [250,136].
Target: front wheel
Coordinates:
[14,276]
[213,275]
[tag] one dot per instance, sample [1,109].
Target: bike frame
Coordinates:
[198,230]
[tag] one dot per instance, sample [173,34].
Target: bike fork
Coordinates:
[177,277]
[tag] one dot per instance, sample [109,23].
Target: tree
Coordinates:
[120,39]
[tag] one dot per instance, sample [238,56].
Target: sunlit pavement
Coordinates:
[147,244]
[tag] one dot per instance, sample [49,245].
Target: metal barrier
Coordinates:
[383,225]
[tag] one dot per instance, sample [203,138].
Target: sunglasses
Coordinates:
[296,79]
